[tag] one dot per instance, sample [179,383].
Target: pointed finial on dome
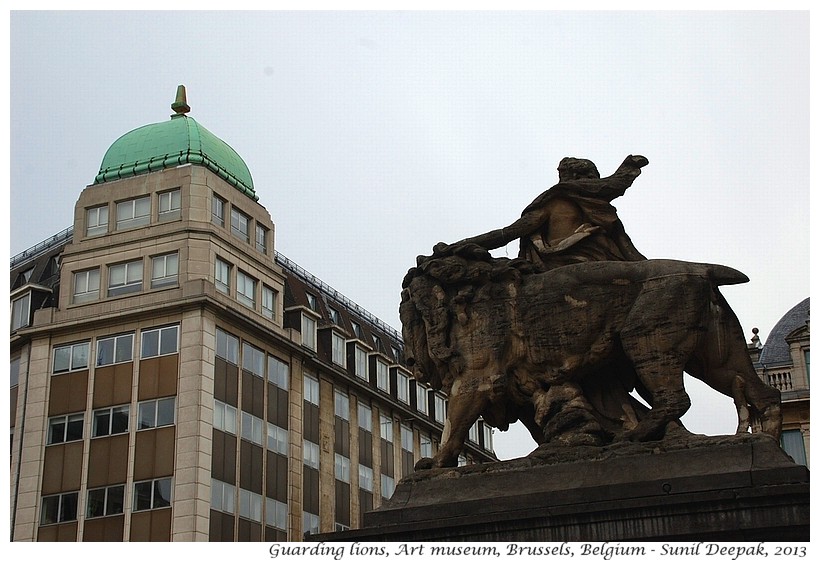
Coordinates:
[180,106]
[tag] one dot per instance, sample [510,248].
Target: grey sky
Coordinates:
[373,135]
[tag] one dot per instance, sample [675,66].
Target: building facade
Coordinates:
[174,378]
[784,362]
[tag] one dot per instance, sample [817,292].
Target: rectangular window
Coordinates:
[421,398]
[253,360]
[311,454]
[21,312]
[252,428]
[227,346]
[116,349]
[268,302]
[342,468]
[96,221]
[338,351]
[488,437]
[382,375]
[386,428]
[426,446]
[156,413]
[365,417]
[159,341]
[152,494]
[278,372]
[246,289]
[473,433]
[311,390]
[59,508]
[164,270]
[223,496]
[105,501]
[250,505]
[403,387]
[440,408]
[365,478]
[261,238]
[360,362]
[224,417]
[222,276]
[73,357]
[133,213]
[341,405]
[169,205]
[111,421]
[278,439]
[218,211]
[124,278]
[406,437]
[310,523]
[388,486]
[309,332]
[87,285]
[335,317]
[14,371]
[62,429]
[357,330]
[276,514]
[240,225]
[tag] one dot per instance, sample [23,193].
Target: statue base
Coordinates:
[688,488]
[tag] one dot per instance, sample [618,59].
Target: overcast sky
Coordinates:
[373,135]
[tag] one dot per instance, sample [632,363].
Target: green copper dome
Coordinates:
[180,140]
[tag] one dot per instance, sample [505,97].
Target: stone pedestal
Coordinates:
[697,488]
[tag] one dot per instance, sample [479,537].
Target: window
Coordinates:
[365,417]
[159,341]
[440,408]
[133,213]
[222,276]
[72,357]
[357,329]
[488,437]
[278,372]
[341,405]
[62,429]
[792,442]
[246,289]
[59,508]
[335,317]
[218,211]
[111,421]
[473,433]
[402,387]
[14,371]
[240,224]
[309,332]
[164,270]
[382,375]
[227,346]
[222,496]
[250,505]
[426,446]
[87,285]
[386,428]
[253,360]
[406,438]
[21,312]
[252,428]
[338,351]
[388,486]
[152,494]
[124,278]
[261,238]
[278,439]
[224,417]
[310,522]
[96,221]
[169,205]
[421,398]
[365,478]
[311,390]
[276,514]
[342,468]
[360,362]
[312,302]
[156,413]
[398,356]
[116,349]
[311,454]
[268,302]
[462,460]
[105,501]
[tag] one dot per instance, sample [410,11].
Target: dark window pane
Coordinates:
[56,429]
[102,423]
[169,341]
[150,343]
[119,420]
[115,501]
[96,503]
[147,414]
[50,510]
[105,352]
[162,493]
[142,496]
[165,412]
[68,510]
[125,345]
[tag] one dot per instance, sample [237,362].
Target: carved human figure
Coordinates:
[572,222]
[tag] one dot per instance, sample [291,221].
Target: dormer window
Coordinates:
[357,329]
[311,300]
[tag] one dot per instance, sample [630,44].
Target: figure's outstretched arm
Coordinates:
[493,239]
